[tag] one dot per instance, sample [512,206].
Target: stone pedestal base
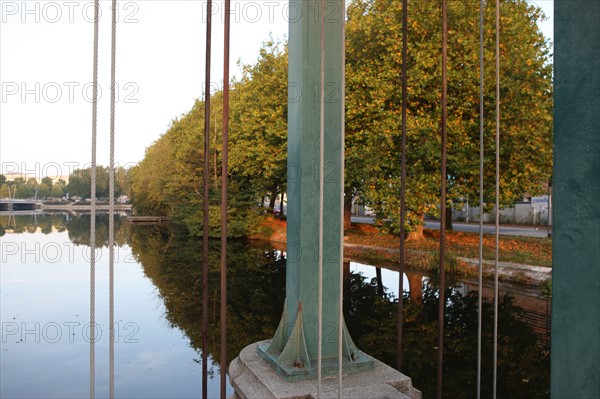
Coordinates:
[253,378]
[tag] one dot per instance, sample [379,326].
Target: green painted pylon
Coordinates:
[293,350]
[576,216]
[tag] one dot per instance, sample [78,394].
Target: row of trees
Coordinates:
[169,178]
[21,188]
[79,185]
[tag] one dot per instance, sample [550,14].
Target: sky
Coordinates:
[46,50]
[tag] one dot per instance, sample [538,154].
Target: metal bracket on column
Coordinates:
[288,355]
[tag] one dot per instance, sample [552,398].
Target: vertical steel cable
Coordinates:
[442,304]
[342,171]
[93,205]
[497,195]
[321,197]
[111,206]
[402,187]
[224,171]
[206,183]
[481,204]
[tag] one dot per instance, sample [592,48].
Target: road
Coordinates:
[523,231]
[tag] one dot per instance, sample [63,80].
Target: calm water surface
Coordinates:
[45,315]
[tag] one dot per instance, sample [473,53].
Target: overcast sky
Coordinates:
[46,73]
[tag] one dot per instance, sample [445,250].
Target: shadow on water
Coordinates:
[172,260]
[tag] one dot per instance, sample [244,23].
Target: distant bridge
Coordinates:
[19,205]
[14,205]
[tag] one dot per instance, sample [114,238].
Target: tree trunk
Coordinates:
[347,213]
[281,204]
[449,218]
[418,233]
[264,199]
[379,282]
[272,198]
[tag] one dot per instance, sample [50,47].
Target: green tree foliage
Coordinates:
[23,191]
[149,178]
[32,182]
[123,181]
[48,181]
[168,180]
[374,103]
[80,182]
[259,123]
[2,179]
[21,188]
[57,191]
[43,190]
[4,191]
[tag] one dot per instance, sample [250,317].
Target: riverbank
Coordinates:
[523,261]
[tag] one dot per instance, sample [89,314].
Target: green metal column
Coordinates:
[293,352]
[576,238]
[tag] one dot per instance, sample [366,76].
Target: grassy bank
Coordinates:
[364,243]
[524,250]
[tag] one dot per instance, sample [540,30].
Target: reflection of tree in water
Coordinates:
[523,366]
[78,226]
[79,230]
[256,286]
[256,289]
[18,224]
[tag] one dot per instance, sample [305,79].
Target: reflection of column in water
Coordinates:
[93,204]
[111,294]
[111,213]
[93,291]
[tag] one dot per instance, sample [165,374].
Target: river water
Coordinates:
[45,312]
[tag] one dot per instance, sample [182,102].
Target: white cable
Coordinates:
[341,235]
[93,206]
[111,207]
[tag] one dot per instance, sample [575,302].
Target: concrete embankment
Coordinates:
[83,207]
